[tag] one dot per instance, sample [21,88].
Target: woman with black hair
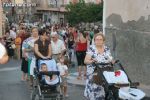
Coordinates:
[42,46]
[9,44]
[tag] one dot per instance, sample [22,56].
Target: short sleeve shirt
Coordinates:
[105,57]
[58,47]
[43,49]
[62,68]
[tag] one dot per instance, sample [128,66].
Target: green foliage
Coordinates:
[82,12]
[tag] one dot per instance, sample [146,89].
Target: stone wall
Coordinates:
[128,35]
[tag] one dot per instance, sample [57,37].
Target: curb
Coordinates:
[72,80]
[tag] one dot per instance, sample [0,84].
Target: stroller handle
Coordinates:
[49,73]
[135,84]
[101,65]
[45,59]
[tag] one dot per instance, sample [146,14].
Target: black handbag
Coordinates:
[98,74]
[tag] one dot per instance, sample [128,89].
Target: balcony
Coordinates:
[52,6]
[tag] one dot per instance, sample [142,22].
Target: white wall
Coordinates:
[127,29]
[128,9]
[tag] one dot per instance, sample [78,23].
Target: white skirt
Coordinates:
[32,66]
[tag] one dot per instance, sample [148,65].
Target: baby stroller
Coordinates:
[43,87]
[116,83]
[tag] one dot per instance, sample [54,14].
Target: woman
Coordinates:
[9,44]
[18,46]
[71,48]
[23,35]
[101,54]
[81,47]
[30,52]
[24,63]
[42,46]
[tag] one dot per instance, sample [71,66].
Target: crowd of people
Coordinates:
[62,43]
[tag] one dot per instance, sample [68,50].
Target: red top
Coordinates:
[81,46]
[75,35]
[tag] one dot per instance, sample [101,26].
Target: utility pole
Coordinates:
[1,17]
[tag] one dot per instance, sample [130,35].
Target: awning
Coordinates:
[61,9]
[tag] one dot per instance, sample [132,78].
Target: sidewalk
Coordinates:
[72,79]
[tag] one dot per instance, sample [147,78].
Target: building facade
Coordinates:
[86,1]
[127,31]
[53,11]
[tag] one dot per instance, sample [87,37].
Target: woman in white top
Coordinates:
[101,54]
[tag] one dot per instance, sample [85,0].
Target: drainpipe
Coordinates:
[104,16]
[1,17]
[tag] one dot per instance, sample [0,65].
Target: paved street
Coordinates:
[12,88]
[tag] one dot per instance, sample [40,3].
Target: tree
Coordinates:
[82,12]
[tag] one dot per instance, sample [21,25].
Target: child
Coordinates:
[62,67]
[45,69]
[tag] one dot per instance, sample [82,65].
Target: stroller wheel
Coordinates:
[110,96]
[59,97]
[37,97]
[33,94]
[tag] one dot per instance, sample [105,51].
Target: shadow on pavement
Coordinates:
[146,98]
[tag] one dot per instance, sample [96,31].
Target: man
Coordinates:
[3,55]
[58,46]
[13,33]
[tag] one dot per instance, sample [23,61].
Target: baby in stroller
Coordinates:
[47,81]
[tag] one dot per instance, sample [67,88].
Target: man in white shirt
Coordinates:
[13,33]
[3,55]
[58,46]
